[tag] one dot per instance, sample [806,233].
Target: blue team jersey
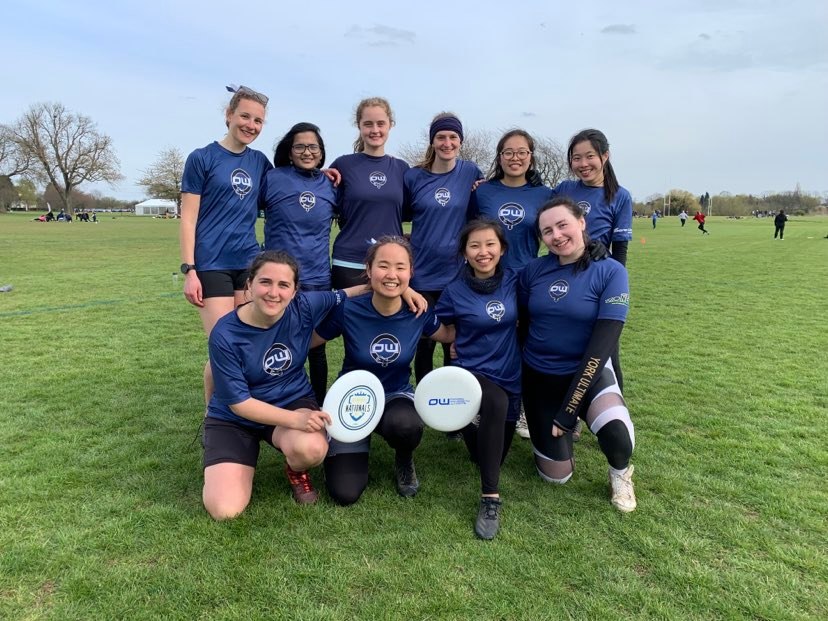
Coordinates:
[605,223]
[228,184]
[486,325]
[517,210]
[369,206]
[563,307]
[385,346]
[299,207]
[265,364]
[438,206]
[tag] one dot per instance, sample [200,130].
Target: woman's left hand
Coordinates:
[557,432]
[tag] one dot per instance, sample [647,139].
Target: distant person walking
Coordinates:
[699,217]
[683,217]
[779,222]
[655,218]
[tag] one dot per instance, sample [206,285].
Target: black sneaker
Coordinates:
[488,518]
[406,475]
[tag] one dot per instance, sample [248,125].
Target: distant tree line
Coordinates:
[727,204]
[24,195]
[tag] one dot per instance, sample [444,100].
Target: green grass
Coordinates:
[725,360]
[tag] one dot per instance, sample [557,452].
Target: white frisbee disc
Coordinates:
[355,403]
[448,398]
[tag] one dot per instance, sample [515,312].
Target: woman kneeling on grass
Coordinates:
[381,335]
[582,304]
[262,392]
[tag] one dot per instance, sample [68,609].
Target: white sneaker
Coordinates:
[522,428]
[623,494]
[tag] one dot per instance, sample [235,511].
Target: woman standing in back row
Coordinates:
[437,194]
[510,198]
[299,203]
[370,193]
[219,196]
[606,205]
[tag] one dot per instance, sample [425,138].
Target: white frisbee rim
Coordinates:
[339,390]
[453,383]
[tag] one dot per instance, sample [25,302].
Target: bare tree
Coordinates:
[13,161]
[478,147]
[65,149]
[550,162]
[163,178]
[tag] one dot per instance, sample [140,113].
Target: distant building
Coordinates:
[157,207]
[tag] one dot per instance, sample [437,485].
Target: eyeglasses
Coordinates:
[299,149]
[249,93]
[520,153]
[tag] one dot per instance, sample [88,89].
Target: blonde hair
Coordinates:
[243,92]
[430,155]
[370,102]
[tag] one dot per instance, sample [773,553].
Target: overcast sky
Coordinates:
[703,95]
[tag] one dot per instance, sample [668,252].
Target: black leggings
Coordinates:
[318,360]
[424,358]
[542,397]
[487,443]
[346,474]
[318,371]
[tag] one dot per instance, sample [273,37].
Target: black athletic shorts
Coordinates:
[226,441]
[222,283]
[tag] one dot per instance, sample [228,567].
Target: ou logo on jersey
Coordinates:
[385,349]
[307,200]
[511,214]
[240,180]
[277,360]
[377,179]
[442,196]
[585,206]
[496,309]
[558,289]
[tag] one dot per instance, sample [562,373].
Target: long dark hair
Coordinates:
[562,201]
[281,155]
[481,224]
[496,170]
[600,143]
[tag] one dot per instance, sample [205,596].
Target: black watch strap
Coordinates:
[186,267]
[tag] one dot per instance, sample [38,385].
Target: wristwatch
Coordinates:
[186,267]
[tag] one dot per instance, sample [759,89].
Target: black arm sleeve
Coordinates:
[604,339]
[619,251]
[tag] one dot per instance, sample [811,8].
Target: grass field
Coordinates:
[726,366]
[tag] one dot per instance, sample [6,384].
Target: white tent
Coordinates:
[156,207]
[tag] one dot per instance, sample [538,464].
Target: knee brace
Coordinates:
[616,443]
[553,471]
[616,412]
